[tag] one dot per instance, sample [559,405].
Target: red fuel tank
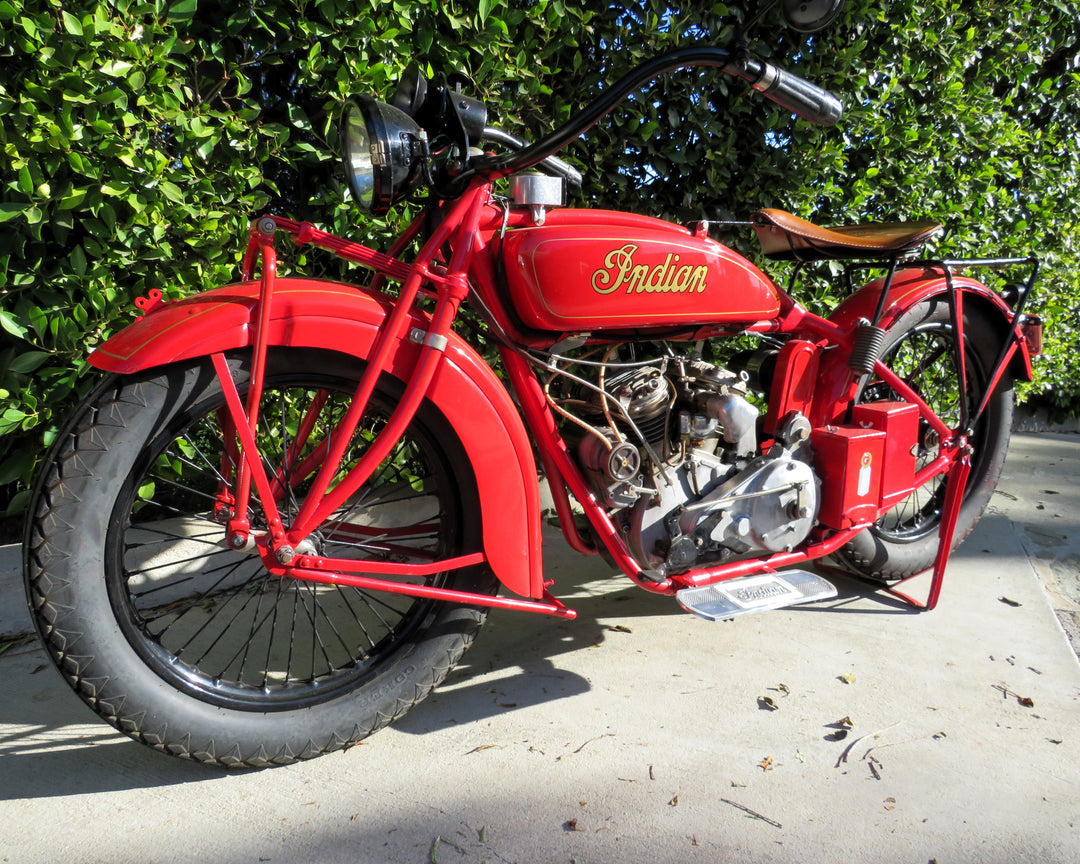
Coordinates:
[590,270]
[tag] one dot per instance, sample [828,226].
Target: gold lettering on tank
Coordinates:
[620,271]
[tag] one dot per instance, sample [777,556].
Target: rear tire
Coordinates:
[918,348]
[195,649]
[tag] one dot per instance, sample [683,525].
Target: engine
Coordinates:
[671,447]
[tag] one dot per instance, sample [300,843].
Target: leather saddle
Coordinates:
[784,236]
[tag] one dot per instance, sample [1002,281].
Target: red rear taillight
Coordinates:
[1032,328]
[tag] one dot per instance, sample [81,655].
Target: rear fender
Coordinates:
[310,313]
[835,387]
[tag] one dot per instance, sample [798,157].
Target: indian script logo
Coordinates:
[668,278]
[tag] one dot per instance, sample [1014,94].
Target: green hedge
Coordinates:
[141,137]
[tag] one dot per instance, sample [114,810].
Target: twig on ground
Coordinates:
[753,813]
[851,746]
[597,738]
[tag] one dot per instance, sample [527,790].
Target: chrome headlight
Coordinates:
[383,149]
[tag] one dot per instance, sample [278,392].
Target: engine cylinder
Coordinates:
[644,395]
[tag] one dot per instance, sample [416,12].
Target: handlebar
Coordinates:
[798,95]
[553,163]
[788,90]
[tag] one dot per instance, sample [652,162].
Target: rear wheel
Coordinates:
[920,349]
[195,648]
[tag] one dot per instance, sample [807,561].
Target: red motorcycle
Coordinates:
[283,513]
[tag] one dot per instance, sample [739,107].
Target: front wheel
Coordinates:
[195,648]
[919,348]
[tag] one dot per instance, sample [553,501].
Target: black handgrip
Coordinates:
[804,98]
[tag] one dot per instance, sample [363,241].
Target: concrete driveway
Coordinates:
[850,731]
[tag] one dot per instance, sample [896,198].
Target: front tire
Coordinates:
[194,648]
[919,348]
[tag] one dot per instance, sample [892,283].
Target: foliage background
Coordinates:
[140,136]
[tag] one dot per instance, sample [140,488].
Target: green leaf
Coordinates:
[72,200]
[78,261]
[11,209]
[12,469]
[28,362]
[18,502]
[71,23]
[116,68]
[298,117]
[171,191]
[26,181]
[182,11]
[11,325]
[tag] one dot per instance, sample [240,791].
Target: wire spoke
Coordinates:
[223,631]
[146,528]
[202,602]
[345,597]
[229,567]
[172,563]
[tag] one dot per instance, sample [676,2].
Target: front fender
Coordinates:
[909,287]
[311,313]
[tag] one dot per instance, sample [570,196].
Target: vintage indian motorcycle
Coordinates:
[282,515]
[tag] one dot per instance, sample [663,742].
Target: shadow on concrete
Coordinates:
[52,745]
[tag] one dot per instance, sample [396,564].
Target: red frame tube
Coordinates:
[551,607]
[238,526]
[955,485]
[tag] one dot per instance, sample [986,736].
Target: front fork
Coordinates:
[280,542]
